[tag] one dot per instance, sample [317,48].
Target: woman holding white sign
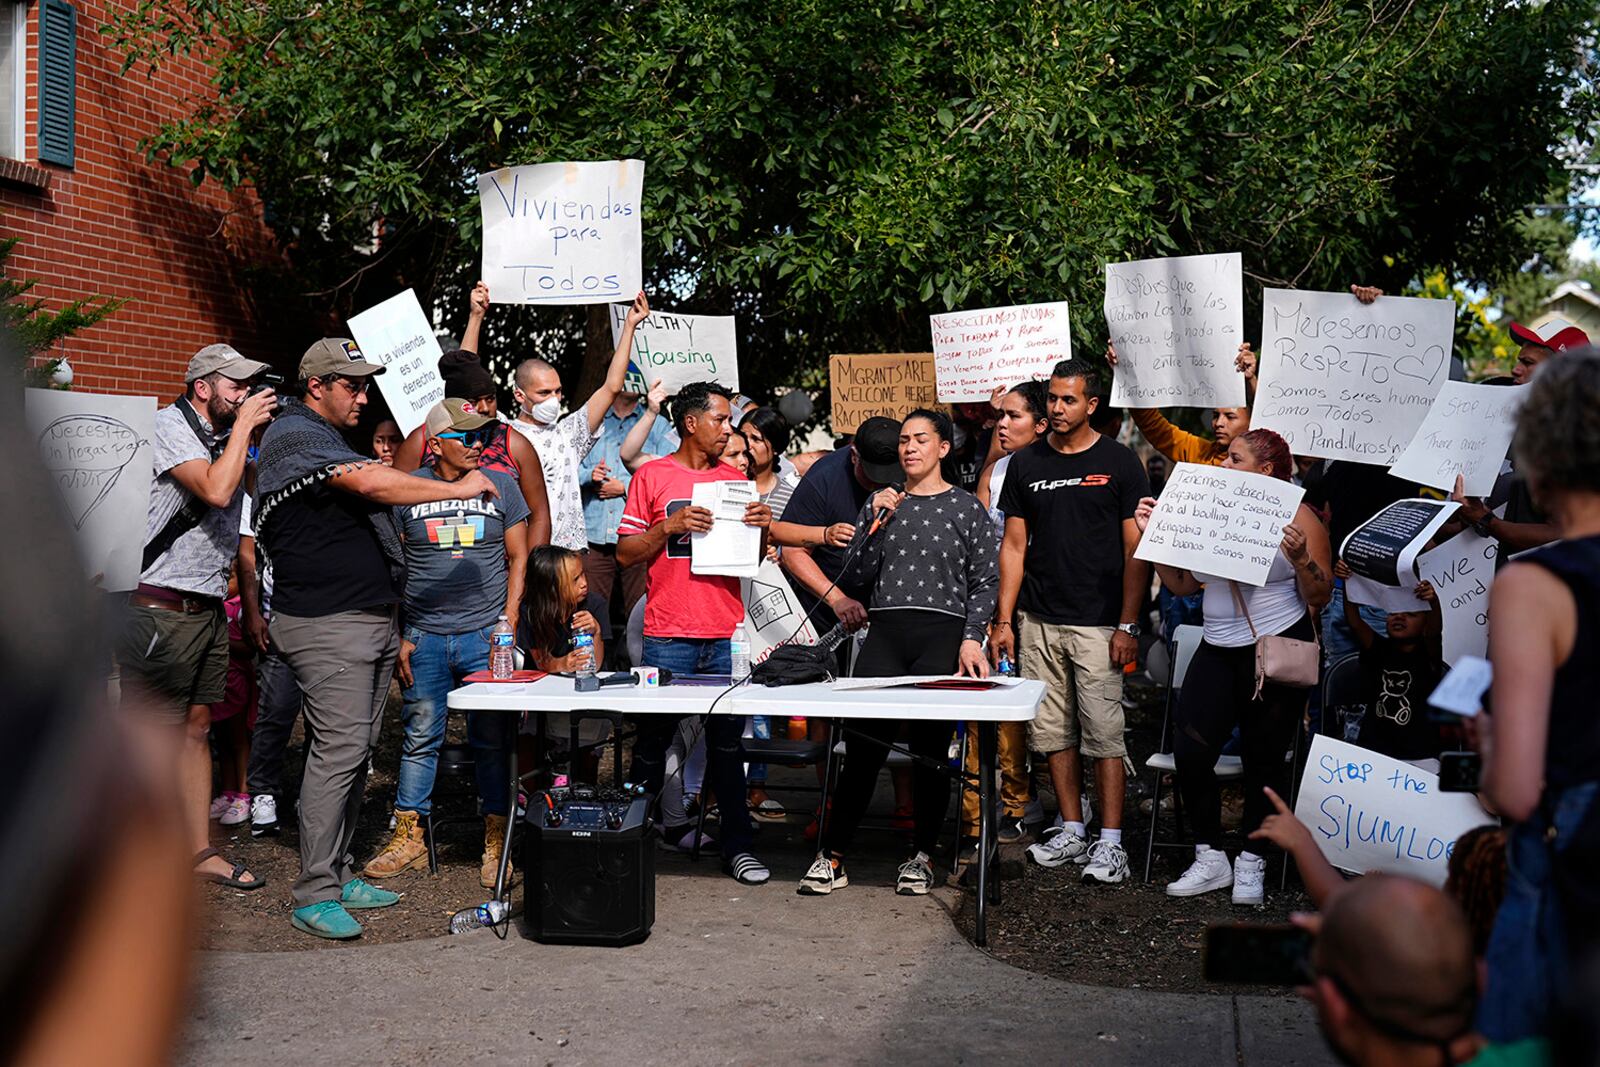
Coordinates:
[1221,690]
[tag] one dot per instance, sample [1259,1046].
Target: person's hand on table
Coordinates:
[973,665]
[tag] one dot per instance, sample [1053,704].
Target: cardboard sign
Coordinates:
[563,233]
[1347,380]
[1383,552]
[1467,432]
[1461,571]
[678,349]
[975,351]
[1220,521]
[772,614]
[1176,324]
[397,334]
[98,451]
[892,386]
[1368,812]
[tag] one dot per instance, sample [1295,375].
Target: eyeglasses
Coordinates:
[468,438]
[357,386]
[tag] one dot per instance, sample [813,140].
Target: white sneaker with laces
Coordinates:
[1064,847]
[237,811]
[1108,863]
[1249,880]
[1210,870]
[823,878]
[218,806]
[916,877]
[263,815]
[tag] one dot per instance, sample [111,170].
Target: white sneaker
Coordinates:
[1249,880]
[823,878]
[263,815]
[219,805]
[916,877]
[1064,847]
[1210,870]
[237,811]
[1108,863]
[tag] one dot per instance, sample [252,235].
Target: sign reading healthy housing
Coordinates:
[1176,324]
[1340,379]
[563,233]
[678,349]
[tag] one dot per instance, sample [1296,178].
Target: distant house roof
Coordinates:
[1581,290]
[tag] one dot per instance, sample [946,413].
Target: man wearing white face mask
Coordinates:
[562,443]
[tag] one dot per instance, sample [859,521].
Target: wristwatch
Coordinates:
[1129,628]
[1483,525]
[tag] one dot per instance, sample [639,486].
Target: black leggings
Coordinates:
[1216,696]
[904,641]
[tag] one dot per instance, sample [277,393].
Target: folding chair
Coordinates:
[1341,687]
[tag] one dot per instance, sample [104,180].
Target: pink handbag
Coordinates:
[1281,660]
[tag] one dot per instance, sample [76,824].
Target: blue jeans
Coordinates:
[724,753]
[760,730]
[1178,611]
[1337,640]
[438,664]
[1527,958]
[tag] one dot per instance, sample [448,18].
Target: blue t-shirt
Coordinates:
[602,517]
[456,557]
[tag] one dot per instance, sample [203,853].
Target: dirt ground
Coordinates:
[1131,935]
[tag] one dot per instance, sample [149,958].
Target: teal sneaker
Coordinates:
[360,894]
[326,918]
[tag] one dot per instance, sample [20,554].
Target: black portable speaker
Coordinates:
[589,868]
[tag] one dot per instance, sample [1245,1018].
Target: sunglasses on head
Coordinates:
[468,438]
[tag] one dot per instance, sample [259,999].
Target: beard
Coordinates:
[219,413]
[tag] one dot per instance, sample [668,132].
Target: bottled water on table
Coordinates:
[739,653]
[501,662]
[583,652]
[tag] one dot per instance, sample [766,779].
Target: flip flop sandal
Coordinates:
[769,810]
[233,880]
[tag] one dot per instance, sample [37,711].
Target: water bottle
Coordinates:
[583,653]
[501,663]
[479,915]
[739,653]
[1004,666]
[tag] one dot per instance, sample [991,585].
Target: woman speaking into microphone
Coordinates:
[929,560]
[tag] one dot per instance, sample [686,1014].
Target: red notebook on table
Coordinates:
[516,676]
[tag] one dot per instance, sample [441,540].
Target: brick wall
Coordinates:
[116,225]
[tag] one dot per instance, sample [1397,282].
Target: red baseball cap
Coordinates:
[1563,338]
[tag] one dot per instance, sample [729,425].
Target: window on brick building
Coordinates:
[13,71]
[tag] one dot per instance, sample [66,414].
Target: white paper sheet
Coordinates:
[1461,691]
[1220,521]
[1466,432]
[730,547]
[1176,324]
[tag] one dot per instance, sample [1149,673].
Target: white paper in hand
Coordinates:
[730,547]
[1461,691]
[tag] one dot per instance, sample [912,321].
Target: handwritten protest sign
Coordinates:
[1466,432]
[562,233]
[772,615]
[891,386]
[1346,380]
[679,349]
[1368,812]
[397,334]
[1382,553]
[974,351]
[1460,571]
[97,451]
[1220,521]
[1176,324]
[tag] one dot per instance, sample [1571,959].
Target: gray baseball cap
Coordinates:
[336,355]
[223,360]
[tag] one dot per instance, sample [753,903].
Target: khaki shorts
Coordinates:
[170,660]
[1082,705]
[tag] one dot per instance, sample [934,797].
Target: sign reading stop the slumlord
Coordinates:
[975,351]
[563,233]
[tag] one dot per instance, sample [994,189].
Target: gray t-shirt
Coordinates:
[198,561]
[456,557]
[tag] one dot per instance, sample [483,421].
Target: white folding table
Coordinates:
[982,707]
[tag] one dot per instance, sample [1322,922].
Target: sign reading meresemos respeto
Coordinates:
[563,233]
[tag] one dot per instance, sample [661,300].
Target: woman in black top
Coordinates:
[930,566]
[1541,747]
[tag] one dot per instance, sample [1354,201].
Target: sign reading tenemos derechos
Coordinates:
[1340,379]
[563,233]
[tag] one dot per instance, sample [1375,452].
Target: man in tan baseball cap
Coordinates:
[336,355]
[224,360]
[335,377]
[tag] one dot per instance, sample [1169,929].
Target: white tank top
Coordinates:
[997,481]
[1274,607]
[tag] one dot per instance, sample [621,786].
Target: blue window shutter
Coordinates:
[58,82]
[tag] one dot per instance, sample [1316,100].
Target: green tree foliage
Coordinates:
[37,327]
[834,170]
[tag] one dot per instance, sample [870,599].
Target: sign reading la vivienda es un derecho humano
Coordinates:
[893,386]
[397,334]
[976,351]
[677,349]
[563,233]
[1340,379]
[1176,325]
[1219,521]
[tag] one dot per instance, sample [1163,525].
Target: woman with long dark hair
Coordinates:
[1219,691]
[767,432]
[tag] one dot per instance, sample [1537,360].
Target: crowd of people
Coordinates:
[300,555]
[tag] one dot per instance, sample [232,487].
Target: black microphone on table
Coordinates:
[884,513]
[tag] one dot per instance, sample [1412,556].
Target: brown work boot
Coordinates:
[406,850]
[494,839]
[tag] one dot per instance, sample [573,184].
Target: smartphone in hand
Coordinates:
[1256,954]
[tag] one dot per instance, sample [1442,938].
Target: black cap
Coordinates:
[877,444]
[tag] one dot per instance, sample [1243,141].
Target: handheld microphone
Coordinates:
[883,513]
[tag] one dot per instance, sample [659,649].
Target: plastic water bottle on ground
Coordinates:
[501,641]
[478,916]
[739,653]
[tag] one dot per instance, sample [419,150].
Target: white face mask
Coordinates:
[545,411]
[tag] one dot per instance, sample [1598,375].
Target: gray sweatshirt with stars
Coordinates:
[936,553]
